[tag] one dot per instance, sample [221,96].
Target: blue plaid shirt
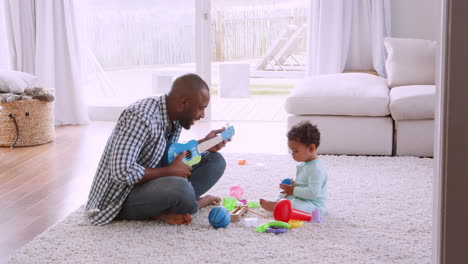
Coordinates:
[139,140]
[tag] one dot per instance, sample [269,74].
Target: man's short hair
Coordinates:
[189,82]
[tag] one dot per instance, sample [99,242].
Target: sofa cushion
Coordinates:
[410,61]
[350,94]
[412,102]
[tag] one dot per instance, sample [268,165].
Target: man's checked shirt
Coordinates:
[138,141]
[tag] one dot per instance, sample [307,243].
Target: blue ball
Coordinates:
[219,217]
[286,181]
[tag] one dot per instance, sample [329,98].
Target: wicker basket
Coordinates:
[26,123]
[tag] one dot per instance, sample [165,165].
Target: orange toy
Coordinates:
[241,162]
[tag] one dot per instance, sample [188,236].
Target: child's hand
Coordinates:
[287,189]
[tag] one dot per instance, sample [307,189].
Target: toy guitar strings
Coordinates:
[194,150]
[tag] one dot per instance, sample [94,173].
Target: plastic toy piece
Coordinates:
[295,223]
[263,228]
[241,162]
[252,204]
[316,218]
[237,213]
[236,191]
[276,230]
[284,212]
[287,181]
[241,210]
[230,203]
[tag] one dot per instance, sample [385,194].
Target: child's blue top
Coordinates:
[310,191]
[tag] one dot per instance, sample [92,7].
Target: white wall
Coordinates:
[416,19]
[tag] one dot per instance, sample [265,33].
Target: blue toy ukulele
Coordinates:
[194,150]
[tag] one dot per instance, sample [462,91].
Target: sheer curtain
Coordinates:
[347,35]
[5,58]
[20,23]
[46,40]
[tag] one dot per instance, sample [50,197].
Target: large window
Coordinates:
[138,48]
[268,39]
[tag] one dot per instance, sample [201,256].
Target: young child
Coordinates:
[309,190]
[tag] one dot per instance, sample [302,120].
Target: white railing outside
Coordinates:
[139,38]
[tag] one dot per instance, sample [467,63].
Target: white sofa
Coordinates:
[412,108]
[364,114]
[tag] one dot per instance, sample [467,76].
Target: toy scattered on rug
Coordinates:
[241,162]
[234,199]
[276,230]
[252,204]
[284,212]
[285,216]
[316,218]
[263,228]
[230,203]
[240,211]
[237,213]
[237,206]
[295,223]
[287,181]
[219,217]
[236,191]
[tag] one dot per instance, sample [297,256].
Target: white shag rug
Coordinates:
[380,211]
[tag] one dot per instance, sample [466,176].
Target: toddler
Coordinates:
[309,190]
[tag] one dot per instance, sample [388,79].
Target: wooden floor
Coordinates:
[41,185]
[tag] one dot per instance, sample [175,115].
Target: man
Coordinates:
[132,180]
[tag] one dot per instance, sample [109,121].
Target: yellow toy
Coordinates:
[295,223]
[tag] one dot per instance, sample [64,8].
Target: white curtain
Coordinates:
[5,58]
[59,57]
[21,24]
[347,35]
[46,40]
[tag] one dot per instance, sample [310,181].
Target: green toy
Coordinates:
[263,228]
[252,204]
[230,203]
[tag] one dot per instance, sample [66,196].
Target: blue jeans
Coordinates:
[173,194]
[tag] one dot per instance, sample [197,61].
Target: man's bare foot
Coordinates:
[208,200]
[267,205]
[174,219]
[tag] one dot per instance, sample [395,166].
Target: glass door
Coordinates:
[258,55]
[137,48]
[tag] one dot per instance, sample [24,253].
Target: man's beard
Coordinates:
[186,123]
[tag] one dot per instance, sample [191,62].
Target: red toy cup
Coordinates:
[284,212]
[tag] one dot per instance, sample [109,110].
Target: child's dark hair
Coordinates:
[306,133]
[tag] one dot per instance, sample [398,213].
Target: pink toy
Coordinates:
[236,191]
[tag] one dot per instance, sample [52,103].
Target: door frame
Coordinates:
[203,44]
[450,216]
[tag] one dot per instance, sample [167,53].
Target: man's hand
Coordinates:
[213,134]
[287,189]
[179,168]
